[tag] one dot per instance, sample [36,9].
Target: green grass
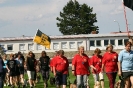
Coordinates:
[91,81]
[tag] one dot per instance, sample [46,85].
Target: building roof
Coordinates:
[66,36]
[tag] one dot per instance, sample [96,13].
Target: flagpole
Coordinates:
[125,18]
[35,35]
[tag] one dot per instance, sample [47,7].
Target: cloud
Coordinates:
[118,10]
[2,1]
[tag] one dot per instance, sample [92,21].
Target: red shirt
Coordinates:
[96,61]
[110,62]
[81,64]
[61,64]
[52,60]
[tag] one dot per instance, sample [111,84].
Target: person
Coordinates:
[20,62]
[125,65]
[52,60]
[44,64]
[11,67]
[60,70]
[1,72]
[96,64]
[5,73]
[80,67]
[31,65]
[109,63]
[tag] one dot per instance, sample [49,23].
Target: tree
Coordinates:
[2,50]
[77,19]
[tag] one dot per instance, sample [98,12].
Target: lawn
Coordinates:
[91,82]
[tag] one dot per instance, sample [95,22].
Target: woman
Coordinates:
[80,67]
[96,64]
[110,59]
[125,64]
[60,69]
[5,77]
[31,66]
[44,64]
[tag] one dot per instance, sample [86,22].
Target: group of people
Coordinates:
[110,63]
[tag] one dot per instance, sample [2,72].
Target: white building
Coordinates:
[66,42]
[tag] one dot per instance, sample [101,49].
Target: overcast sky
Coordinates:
[24,17]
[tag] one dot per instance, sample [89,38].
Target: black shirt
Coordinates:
[12,65]
[44,62]
[31,63]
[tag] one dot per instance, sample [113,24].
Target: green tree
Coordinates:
[77,19]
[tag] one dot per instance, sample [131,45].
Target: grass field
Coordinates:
[91,82]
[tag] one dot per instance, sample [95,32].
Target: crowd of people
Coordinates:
[12,70]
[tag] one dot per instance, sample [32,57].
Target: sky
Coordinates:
[24,17]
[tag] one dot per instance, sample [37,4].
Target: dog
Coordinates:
[52,80]
[117,84]
[97,85]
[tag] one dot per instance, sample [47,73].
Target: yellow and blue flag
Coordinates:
[42,39]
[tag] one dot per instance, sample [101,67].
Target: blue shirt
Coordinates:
[19,62]
[5,62]
[126,59]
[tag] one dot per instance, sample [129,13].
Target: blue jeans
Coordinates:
[82,81]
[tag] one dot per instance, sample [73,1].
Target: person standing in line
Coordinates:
[125,65]
[31,67]
[80,67]
[109,62]
[60,70]
[11,67]
[44,65]
[96,64]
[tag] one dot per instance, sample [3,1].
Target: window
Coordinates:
[120,42]
[9,47]
[55,46]
[106,42]
[39,47]
[72,45]
[30,47]
[125,40]
[64,45]
[92,43]
[79,44]
[112,42]
[98,42]
[21,47]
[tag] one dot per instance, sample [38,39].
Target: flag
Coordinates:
[128,3]
[42,39]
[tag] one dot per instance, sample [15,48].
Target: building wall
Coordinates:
[66,44]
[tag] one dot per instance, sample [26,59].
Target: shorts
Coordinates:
[45,74]
[21,70]
[12,73]
[31,74]
[98,77]
[35,76]
[61,79]
[125,75]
